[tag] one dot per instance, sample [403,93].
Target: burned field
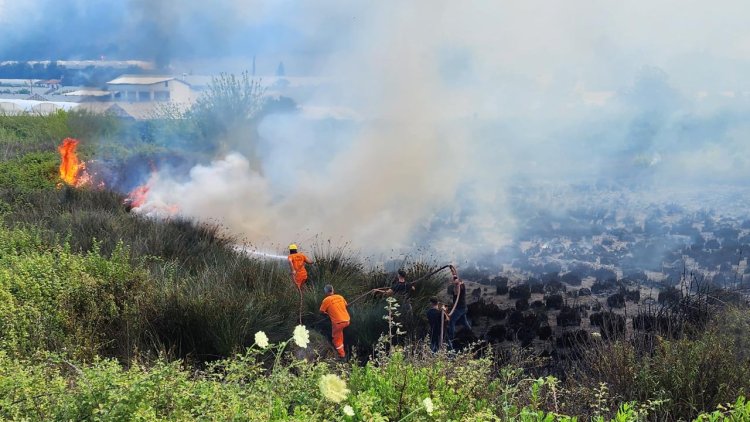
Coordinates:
[601,274]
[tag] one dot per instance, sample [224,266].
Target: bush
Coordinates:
[687,375]
[396,386]
[521,291]
[51,298]
[616,300]
[571,278]
[31,128]
[554,301]
[32,171]
[569,317]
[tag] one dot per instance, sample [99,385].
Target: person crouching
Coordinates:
[334,306]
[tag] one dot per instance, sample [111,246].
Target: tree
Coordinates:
[228,103]
[228,111]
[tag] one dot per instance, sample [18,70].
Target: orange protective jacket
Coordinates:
[298,264]
[335,307]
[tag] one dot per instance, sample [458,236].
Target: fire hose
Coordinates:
[381,289]
[444,315]
[300,304]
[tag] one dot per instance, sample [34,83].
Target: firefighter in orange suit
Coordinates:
[334,306]
[297,261]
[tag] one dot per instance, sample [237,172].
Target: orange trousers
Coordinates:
[301,282]
[337,332]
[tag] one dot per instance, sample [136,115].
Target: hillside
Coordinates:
[110,315]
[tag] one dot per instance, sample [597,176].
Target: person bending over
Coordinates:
[334,306]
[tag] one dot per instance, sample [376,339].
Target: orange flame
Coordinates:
[70,166]
[138,196]
[138,200]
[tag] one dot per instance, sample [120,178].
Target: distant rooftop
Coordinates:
[140,80]
[88,93]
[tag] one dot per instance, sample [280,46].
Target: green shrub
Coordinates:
[32,171]
[93,127]
[24,134]
[32,128]
[735,412]
[53,299]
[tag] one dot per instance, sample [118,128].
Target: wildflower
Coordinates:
[261,339]
[333,388]
[596,336]
[348,411]
[301,336]
[428,406]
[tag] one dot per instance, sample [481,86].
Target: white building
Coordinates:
[12,106]
[143,88]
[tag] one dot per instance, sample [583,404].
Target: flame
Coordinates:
[139,201]
[70,166]
[73,171]
[138,196]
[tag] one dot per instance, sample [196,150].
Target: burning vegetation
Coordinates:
[73,173]
[137,197]
[72,170]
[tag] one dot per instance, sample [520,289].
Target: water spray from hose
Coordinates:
[256,253]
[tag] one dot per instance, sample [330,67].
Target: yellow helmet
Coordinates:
[293,247]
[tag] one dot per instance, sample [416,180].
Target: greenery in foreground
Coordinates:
[108,316]
[399,385]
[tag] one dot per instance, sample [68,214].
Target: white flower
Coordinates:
[261,339]
[596,336]
[333,388]
[428,406]
[348,411]
[301,336]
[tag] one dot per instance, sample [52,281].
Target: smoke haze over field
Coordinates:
[459,104]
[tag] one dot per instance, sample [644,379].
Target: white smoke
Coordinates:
[462,101]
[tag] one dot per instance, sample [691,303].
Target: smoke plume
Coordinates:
[462,108]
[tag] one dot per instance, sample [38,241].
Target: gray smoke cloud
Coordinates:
[164,31]
[459,105]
